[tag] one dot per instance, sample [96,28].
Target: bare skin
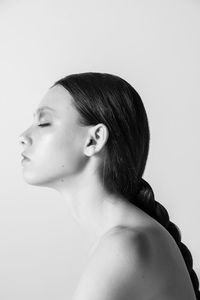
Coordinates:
[65,156]
[167,277]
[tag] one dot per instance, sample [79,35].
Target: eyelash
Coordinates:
[44,124]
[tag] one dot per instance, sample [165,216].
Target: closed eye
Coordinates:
[44,124]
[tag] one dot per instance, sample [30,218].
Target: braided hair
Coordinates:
[146,201]
[109,99]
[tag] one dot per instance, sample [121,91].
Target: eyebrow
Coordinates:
[40,109]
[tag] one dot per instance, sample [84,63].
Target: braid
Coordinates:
[145,200]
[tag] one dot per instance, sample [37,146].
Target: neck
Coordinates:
[93,208]
[95,212]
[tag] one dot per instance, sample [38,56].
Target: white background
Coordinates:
[155,46]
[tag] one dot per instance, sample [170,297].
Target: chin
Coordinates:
[43,181]
[33,179]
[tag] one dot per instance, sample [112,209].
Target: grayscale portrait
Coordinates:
[100,150]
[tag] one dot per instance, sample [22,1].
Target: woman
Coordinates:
[90,142]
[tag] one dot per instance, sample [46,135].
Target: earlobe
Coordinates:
[90,151]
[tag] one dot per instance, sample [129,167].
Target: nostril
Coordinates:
[25,140]
[21,140]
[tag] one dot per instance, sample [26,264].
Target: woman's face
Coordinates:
[56,150]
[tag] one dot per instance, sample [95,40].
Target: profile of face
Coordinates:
[59,150]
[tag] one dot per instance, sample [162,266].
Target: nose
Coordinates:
[24,139]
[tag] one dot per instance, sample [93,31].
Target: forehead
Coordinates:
[59,100]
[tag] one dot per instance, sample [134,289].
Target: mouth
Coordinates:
[25,160]
[25,157]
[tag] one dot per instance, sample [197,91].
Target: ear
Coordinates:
[96,139]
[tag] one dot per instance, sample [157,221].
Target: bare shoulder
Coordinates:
[118,268]
[124,243]
[135,264]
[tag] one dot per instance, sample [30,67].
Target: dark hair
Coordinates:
[109,99]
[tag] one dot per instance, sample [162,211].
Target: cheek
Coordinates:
[70,155]
[55,156]
[61,152]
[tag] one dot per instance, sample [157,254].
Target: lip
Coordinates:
[25,160]
[25,157]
